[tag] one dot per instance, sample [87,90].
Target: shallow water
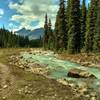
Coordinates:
[59,68]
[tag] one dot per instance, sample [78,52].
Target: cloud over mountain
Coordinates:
[29,11]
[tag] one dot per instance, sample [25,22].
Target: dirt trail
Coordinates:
[5,73]
[6,80]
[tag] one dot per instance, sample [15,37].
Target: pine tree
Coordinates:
[74,38]
[67,20]
[51,36]
[26,39]
[45,39]
[97,34]
[56,32]
[91,28]
[40,41]
[60,28]
[83,23]
[67,15]
[8,39]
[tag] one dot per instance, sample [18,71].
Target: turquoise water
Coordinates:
[59,68]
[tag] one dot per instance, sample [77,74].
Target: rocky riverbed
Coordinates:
[87,60]
[46,63]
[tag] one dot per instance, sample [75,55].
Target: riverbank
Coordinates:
[37,62]
[27,83]
[87,60]
[18,84]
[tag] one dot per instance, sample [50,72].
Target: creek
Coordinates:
[59,68]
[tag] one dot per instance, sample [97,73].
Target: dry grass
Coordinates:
[40,87]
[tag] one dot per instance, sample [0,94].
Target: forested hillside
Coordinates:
[77,28]
[9,39]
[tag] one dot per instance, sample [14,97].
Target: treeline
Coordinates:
[8,40]
[77,28]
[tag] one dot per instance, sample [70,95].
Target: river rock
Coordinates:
[4,98]
[21,66]
[85,63]
[93,98]
[78,73]
[93,94]
[63,81]
[5,86]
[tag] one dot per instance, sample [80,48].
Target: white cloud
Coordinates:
[24,20]
[12,27]
[31,10]
[23,17]
[10,24]
[1,12]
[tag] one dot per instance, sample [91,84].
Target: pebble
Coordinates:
[93,98]
[20,91]
[4,98]
[5,86]
[72,85]
[93,94]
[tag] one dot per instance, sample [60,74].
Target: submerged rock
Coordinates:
[78,73]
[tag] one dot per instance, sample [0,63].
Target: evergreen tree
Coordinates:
[83,23]
[74,37]
[60,28]
[26,39]
[97,34]
[56,33]
[46,36]
[67,15]
[51,36]
[91,28]
[8,39]
[67,20]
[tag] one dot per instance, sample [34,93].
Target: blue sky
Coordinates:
[16,14]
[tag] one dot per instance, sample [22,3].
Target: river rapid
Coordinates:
[59,68]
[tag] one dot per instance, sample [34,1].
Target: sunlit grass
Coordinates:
[42,87]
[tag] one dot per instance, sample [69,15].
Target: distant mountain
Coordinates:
[23,32]
[32,34]
[35,34]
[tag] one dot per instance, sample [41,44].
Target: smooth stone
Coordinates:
[78,73]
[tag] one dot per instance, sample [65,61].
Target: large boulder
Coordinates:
[78,73]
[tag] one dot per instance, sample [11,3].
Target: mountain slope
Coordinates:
[23,32]
[34,34]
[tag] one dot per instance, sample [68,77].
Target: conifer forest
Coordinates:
[76,28]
